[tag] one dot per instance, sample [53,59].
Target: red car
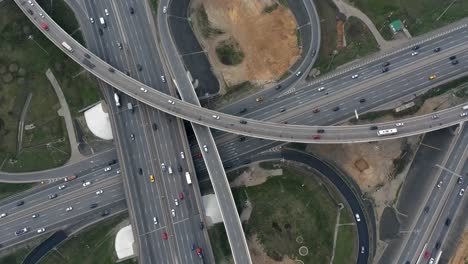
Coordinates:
[165,236]
[316,110]
[44,26]
[316,136]
[181,196]
[427,255]
[199,252]
[199,155]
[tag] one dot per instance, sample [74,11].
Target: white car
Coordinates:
[155,220]
[173,212]
[163,167]
[86,183]
[35,215]
[41,15]
[216,117]
[462,191]
[163,79]
[355,76]
[30,2]
[106,12]
[61,187]
[99,192]
[164,9]
[363,250]
[431,261]
[69,209]
[399,124]
[170,101]
[3,215]
[439,184]
[321,89]
[464,114]
[91,20]
[298,73]
[414,53]
[358,218]
[205,148]
[107,169]
[143,90]
[182,155]
[41,230]
[118,171]
[176,202]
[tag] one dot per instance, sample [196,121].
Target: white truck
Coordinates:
[103,22]
[117,99]
[187,177]
[68,47]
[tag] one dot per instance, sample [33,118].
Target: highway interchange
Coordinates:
[435,63]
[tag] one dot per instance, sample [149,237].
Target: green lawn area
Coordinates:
[345,250]
[360,41]
[420,15]
[291,206]
[220,244]
[229,52]
[94,245]
[17,254]
[23,63]
[7,189]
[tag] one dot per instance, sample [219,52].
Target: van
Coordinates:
[103,22]
[169,169]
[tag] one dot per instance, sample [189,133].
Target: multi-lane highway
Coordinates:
[205,116]
[146,138]
[431,227]
[72,203]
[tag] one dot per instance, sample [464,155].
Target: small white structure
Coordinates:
[124,242]
[213,213]
[98,122]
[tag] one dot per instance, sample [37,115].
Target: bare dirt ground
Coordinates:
[461,255]
[370,165]
[255,175]
[268,40]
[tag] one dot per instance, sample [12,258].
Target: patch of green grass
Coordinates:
[286,207]
[97,241]
[7,189]
[229,52]
[269,9]
[345,245]
[236,92]
[298,38]
[360,42]
[34,55]
[220,244]
[298,146]
[420,15]
[284,75]
[17,254]
[284,3]
[205,27]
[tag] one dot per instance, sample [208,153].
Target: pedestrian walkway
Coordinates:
[349,10]
[65,112]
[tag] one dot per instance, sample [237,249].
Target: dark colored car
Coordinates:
[242,138]
[111,70]
[104,213]
[373,128]
[336,108]
[362,100]
[94,205]
[316,110]
[437,49]
[112,162]
[243,110]
[243,122]
[100,32]
[19,203]
[87,56]
[132,11]
[52,196]
[448,221]
[321,130]
[282,110]
[179,168]
[140,171]
[278,87]
[385,69]
[426,209]
[416,47]
[437,245]
[385,64]
[202,225]
[155,126]
[453,57]
[139,67]
[30,12]
[454,62]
